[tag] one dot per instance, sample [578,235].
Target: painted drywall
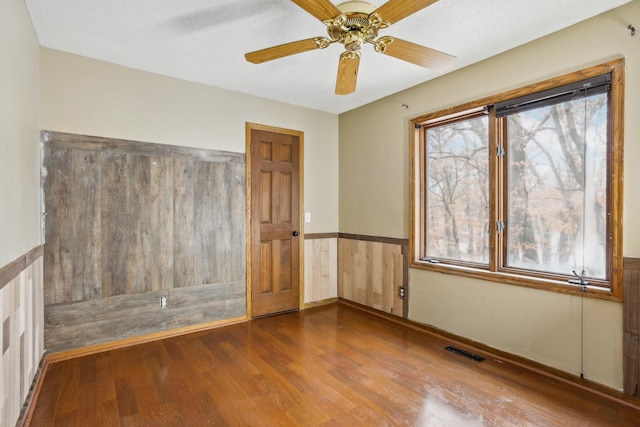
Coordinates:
[19,140]
[90,97]
[21,308]
[374,199]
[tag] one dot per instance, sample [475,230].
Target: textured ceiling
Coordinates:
[204,41]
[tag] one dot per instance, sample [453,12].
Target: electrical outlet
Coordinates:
[401,293]
[163,301]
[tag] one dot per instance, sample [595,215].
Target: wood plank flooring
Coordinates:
[327,366]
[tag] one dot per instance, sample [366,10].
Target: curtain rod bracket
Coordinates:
[632,30]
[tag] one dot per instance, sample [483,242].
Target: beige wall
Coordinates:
[374,199]
[85,96]
[19,141]
[21,308]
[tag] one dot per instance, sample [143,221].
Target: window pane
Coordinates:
[557,181]
[457,205]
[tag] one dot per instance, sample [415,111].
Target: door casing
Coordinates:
[249,128]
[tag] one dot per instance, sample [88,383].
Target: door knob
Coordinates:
[295,234]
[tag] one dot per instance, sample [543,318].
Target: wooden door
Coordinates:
[275,222]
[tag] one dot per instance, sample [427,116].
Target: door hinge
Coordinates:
[500,226]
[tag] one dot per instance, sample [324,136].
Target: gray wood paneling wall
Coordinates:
[141,220]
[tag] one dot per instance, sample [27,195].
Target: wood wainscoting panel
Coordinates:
[127,221]
[320,269]
[371,271]
[21,332]
[631,326]
[124,316]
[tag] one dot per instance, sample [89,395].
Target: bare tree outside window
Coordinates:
[525,187]
[557,187]
[458,191]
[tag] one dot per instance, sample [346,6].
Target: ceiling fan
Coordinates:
[354,23]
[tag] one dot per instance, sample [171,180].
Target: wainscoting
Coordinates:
[372,270]
[631,324]
[21,334]
[320,268]
[128,223]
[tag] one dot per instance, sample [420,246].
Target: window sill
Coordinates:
[518,280]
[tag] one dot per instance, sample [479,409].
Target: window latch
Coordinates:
[500,151]
[500,226]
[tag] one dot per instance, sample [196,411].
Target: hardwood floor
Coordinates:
[327,366]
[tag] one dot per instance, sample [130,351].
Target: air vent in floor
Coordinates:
[464,353]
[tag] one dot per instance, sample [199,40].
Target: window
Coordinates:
[457,190]
[525,187]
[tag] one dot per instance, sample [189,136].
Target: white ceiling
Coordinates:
[204,41]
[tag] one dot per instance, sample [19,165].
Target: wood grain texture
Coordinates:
[331,365]
[123,316]
[11,270]
[321,269]
[61,140]
[275,218]
[183,223]
[370,273]
[115,225]
[631,327]
[85,224]
[161,217]
[57,258]
[132,218]
[21,299]
[209,223]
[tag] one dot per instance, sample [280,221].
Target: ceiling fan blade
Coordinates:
[395,10]
[347,73]
[280,51]
[321,9]
[416,54]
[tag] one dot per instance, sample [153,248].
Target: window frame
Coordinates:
[496,271]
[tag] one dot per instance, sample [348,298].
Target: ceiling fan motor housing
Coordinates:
[354,26]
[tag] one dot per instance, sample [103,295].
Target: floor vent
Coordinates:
[464,353]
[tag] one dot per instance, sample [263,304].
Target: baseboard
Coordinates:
[29,405]
[141,339]
[522,362]
[320,303]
